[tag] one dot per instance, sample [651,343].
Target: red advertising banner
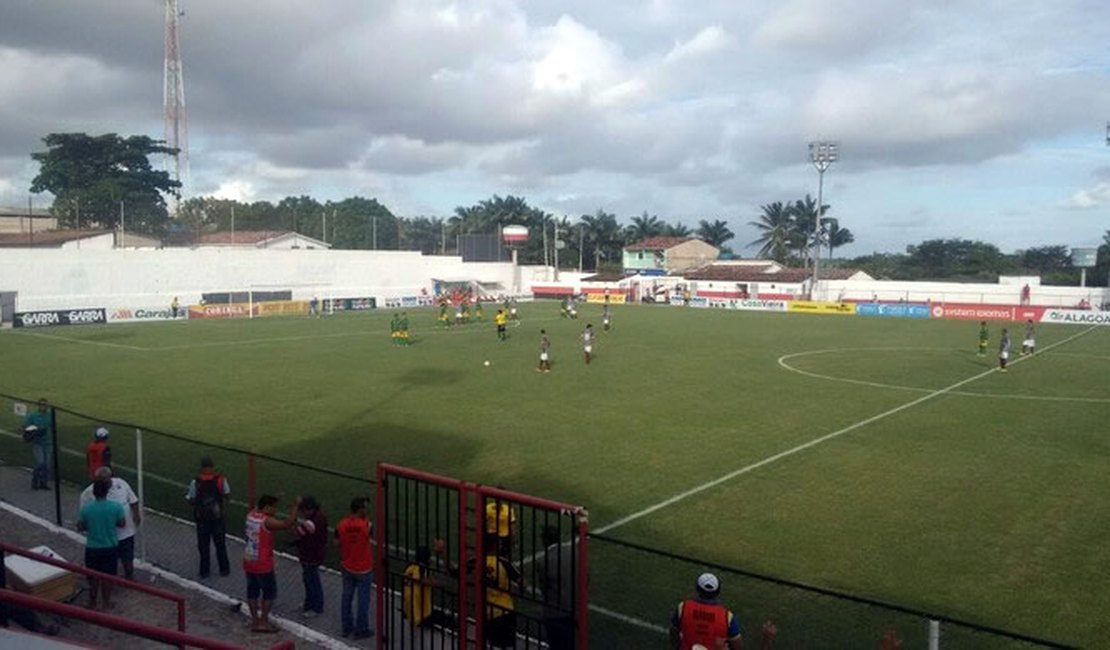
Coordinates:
[232,310]
[975,311]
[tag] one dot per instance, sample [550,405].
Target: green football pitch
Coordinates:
[879,457]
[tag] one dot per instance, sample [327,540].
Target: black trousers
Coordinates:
[214,533]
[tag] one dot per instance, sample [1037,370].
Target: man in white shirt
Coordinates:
[121,493]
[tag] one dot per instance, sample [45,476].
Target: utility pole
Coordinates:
[173,101]
[324,235]
[122,229]
[555,245]
[232,223]
[374,231]
[822,154]
[581,227]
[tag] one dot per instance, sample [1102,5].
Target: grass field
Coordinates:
[879,457]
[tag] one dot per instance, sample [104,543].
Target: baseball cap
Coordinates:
[101,433]
[708,583]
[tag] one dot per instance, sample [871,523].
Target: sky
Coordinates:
[981,119]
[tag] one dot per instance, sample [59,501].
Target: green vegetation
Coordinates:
[985,503]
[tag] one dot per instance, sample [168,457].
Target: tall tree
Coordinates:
[603,237]
[835,236]
[714,233]
[90,176]
[644,227]
[677,230]
[777,230]
[1046,259]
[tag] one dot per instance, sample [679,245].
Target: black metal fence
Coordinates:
[633,588]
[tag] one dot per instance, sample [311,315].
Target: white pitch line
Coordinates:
[813,443]
[86,342]
[966,393]
[631,620]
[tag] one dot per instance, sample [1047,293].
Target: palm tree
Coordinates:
[715,233]
[677,230]
[778,228]
[835,236]
[603,236]
[803,238]
[644,227]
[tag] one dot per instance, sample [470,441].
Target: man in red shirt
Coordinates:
[98,454]
[705,622]
[354,533]
[258,558]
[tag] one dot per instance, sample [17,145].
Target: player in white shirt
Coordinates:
[121,493]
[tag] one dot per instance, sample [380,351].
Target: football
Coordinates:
[306,528]
[486,364]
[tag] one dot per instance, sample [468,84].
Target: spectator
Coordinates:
[1025,295]
[119,492]
[357,559]
[99,521]
[175,306]
[312,544]
[38,432]
[704,621]
[208,494]
[500,612]
[98,454]
[258,558]
[501,525]
[420,582]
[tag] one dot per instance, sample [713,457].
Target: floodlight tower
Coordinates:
[822,154]
[173,98]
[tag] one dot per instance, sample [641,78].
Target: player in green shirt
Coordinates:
[395,329]
[984,338]
[403,325]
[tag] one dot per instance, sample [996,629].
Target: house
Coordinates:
[63,239]
[277,239]
[760,279]
[17,220]
[663,255]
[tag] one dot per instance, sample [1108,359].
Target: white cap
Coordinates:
[101,433]
[709,583]
[31,428]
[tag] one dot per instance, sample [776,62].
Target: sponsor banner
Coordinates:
[125,314]
[614,298]
[1034,314]
[410,301]
[695,301]
[1075,316]
[93,316]
[895,310]
[813,307]
[232,310]
[349,304]
[282,308]
[973,312]
[755,304]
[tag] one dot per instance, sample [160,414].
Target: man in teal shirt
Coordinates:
[37,432]
[100,520]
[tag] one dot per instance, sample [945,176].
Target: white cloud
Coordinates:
[1092,197]
[236,190]
[706,41]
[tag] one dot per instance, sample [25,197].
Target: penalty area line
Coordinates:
[682,496]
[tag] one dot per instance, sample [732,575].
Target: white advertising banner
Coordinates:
[1076,316]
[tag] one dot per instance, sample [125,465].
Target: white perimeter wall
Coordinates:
[145,279]
[956,292]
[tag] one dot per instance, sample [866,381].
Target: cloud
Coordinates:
[706,41]
[1092,197]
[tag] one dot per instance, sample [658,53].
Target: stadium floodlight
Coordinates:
[822,154]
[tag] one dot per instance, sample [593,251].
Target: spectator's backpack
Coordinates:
[208,505]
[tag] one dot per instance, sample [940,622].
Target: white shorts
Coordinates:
[1003,355]
[543,356]
[1028,343]
[588,349]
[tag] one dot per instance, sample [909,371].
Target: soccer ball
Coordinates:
[306,528]
[486,364]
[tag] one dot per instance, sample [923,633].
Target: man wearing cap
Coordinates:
[98,454]
[704,622]
[37,432]
[120,492]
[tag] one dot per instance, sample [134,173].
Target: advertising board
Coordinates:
[349,304]
[896,310]
[92,316]
[973,312]
[614,298]
[813,307]
[1076,316]
[232,310]
[130,314]
[282,308]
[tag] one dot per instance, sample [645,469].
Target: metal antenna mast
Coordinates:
[173,87]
